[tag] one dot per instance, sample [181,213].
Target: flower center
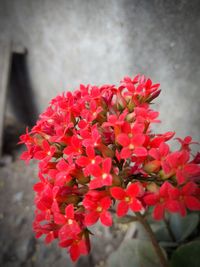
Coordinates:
[93,161]
[104,176]
[99,209]
[70,221]
[131,146]
[162,200]
[127,199]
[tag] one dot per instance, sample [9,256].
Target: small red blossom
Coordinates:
[97,208]
[70,227]
[129,198]
[101,175]
[162,201]
[186,197]
[46,152]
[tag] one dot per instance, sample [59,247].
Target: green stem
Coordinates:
[152,237]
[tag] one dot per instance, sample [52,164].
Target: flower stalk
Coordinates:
[153,239]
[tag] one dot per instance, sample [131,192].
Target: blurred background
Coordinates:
[48,47]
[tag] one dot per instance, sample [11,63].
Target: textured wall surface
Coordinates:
[100,41]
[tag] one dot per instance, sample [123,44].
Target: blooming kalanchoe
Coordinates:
[96,151]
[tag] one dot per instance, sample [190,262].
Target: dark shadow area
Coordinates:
[21,99]
[20,92]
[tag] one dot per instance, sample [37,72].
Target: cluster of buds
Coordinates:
[96,151]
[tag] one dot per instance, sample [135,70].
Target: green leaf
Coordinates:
[187,255]
[161,231]
[183,227]
[134,252]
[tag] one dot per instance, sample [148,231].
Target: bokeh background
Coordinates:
[69,42]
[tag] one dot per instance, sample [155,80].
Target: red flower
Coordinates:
[70,227]
[96,208]
[89,160]
[186,197]
[129,198]
[178,163]
[132,139]
[186,142]
[91,113]
[74,148]
[77,246]
[101,175]
[93,139]
[162,201]
[47,151]
[158,154]
[64,170]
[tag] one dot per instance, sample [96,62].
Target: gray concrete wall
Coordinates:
[100,41]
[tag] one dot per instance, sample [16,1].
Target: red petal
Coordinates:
[172,205]
[59,218]
[123,139]
[122,208]
[39,155]
[138,140]
[38,187]
[182,209]
[117,193]
[192,169]
[90,152]
[164,190]
[106,218]
[95,170]
[140,151]
[49,238]
[174,193]
[151,199]
[153,152]
[83,161]
[96,183]
[164,149]
[62,165]
[74,252]
[158,212]
[65,243]
[105,203]
[91,218]
[125,153]
[69,211]
[180,176]
[192,203]
[107,165]
[189,188]
[133,190]
[75,141]
[45,145]
[136,205]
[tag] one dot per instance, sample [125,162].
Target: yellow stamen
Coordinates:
[131,146]
[99,209]
[104,176]
[70,221]
[127,199]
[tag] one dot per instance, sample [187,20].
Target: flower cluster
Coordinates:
[96,150]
